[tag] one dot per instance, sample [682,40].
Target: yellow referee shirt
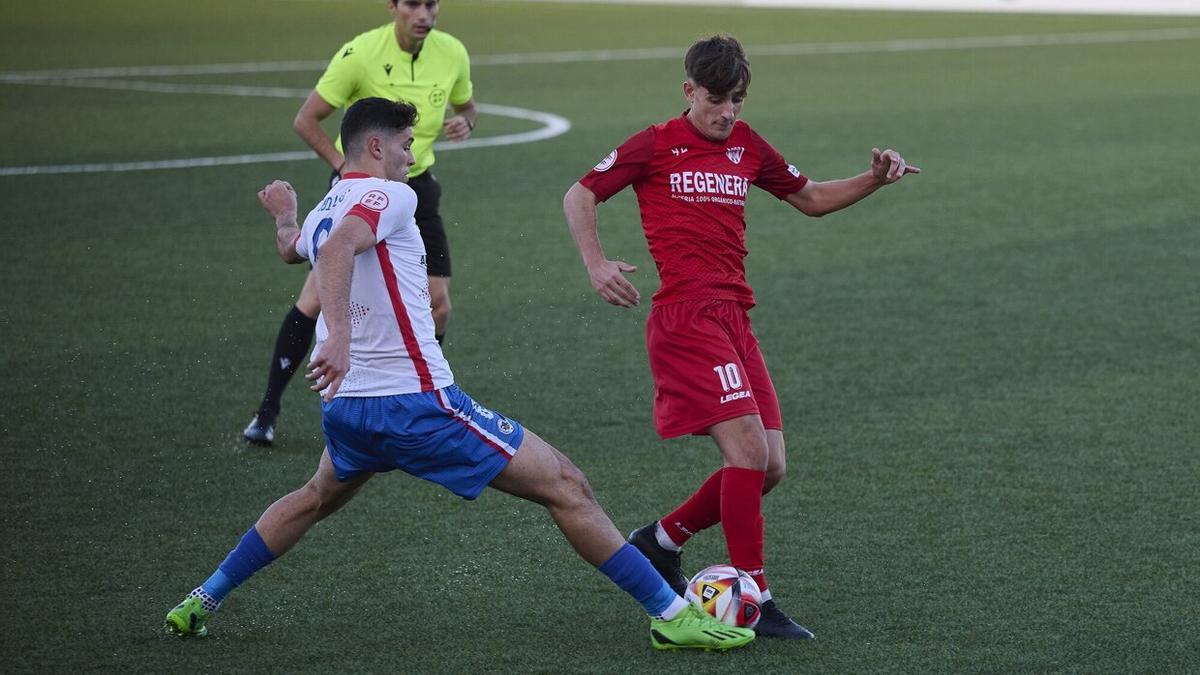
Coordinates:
[373,64]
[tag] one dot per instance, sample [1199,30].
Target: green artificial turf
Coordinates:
[988,372]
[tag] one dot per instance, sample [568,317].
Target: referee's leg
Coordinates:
[437,248]
[439,301]
[291,345]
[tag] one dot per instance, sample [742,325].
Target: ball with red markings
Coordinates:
[728,594]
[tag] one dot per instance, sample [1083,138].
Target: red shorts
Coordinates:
[707,368]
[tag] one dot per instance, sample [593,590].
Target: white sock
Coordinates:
[207,601]
[677,605]
[663,540]
[766,595]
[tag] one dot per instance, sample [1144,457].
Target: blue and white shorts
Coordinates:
[442,436]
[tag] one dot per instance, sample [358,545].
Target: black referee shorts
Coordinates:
[429,222]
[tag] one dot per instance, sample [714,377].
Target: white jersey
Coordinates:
[392,345]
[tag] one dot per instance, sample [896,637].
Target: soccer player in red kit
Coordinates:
[691,175]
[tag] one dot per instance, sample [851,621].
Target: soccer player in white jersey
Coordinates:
[389,399]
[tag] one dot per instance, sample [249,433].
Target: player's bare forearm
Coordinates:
[279,200]
[331,362]
[579,207]
[285,242]
[351,237]
[334,274]
[333,287]
[607,276]
[333,284]
[819,198]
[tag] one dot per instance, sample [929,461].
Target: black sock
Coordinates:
[291,346]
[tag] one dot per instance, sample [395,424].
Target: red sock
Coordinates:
[700,511]
[741,518]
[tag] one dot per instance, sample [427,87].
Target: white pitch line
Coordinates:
[982,42]
[552,125]
[167,71]
[168,87]
[189,163]
[872,47]
[652,53]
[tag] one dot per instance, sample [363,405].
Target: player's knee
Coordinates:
[320,502]
[573,489]
[748,455]
[743,443]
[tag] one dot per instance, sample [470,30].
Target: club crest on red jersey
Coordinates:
[607,163]
[735,154]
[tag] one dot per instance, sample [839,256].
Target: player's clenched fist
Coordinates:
[279,199]
[888,166]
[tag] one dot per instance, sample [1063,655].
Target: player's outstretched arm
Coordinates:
[279,200]
[349,238]
[607,276]
[819,198]
[308,126]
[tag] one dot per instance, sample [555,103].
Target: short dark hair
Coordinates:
[718,64]
[373,115]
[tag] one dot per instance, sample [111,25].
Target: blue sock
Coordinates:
[217,587]
[630,570]
[249,556]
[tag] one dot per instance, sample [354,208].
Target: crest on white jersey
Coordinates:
[376,200]
[735,154]
[607,163]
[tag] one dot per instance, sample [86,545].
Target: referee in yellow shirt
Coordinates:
[406,60]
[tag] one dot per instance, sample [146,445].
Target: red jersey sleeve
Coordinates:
[622,167]
[775,175]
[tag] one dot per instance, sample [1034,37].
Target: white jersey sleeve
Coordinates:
[386,208]
[301,244]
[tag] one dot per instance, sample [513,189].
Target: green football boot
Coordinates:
[693,628]
[187,619]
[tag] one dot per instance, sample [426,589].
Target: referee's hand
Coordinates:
[457,128]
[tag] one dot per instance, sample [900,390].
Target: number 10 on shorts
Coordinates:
[731,378]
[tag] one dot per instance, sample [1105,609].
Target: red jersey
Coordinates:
[692,195]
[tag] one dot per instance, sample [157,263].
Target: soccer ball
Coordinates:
[728,594]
